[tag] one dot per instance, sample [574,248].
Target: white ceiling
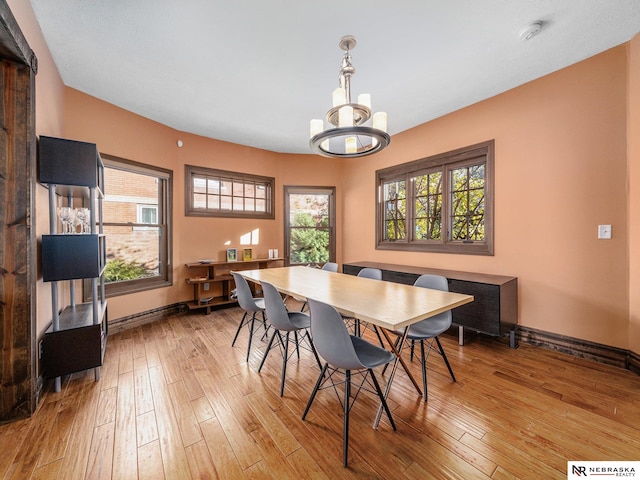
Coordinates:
[254,72]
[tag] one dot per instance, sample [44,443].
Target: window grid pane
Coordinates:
[428,206]
[395,210]
[468,204]
[214,193]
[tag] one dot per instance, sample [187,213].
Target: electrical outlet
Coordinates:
[604,232]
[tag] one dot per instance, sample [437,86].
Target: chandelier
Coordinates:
[349,135]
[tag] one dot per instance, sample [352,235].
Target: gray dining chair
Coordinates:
[251,307]
[373,274]
[428,330]
[330,267]
[284,323]
[342,351]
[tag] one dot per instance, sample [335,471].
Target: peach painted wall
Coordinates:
[49,121]
[123,134]
[633,134]
[560,170]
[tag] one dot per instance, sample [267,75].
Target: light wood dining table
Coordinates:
[390,306]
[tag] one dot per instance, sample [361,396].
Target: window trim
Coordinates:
[313,190]
[190,211]
[165,218]
[445,162]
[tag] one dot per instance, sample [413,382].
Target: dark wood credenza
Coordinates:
[494,310]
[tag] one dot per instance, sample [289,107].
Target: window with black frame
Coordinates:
[442,203]
[309,225]
[137,225]
[220,193]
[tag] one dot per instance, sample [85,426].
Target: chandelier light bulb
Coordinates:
[380,121]
[365,99]
[315,127]
[339,97]
[345,116]
[350,145]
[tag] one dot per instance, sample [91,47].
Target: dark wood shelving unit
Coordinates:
[77,337]
[213,287]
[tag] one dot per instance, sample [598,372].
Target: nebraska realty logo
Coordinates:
[626,469]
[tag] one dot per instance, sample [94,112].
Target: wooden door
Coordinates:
[18,66]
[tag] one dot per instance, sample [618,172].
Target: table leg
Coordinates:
[400,359]
[394,367]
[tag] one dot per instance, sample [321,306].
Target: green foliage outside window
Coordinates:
[395,212]
[428,206]
[309,239]
[467,200]
[119,270]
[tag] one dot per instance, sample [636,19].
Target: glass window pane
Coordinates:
[132,253]
[261,206]
[225,202]
[199,185]
[238,189]
[148,215]
[238,203]
[226,187]
[126,190]
[213,185]
[199,201]
[468,203]
[309,245]
[213,201]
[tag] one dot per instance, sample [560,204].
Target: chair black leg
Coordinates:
[239,328]
[264,358]
[384,402]
[315,390]
[253,321]
[295,334]
[265,325]
[446,360]
[423,361]
[284,363]
[345,433]
[313,349]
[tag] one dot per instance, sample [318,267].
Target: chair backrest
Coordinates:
[276,311]
[244,293]
[331,337]
[330,267]
[374,273]
[435,282]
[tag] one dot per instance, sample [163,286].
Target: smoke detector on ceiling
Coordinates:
[530,31]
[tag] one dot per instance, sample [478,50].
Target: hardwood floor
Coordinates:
[176,401]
